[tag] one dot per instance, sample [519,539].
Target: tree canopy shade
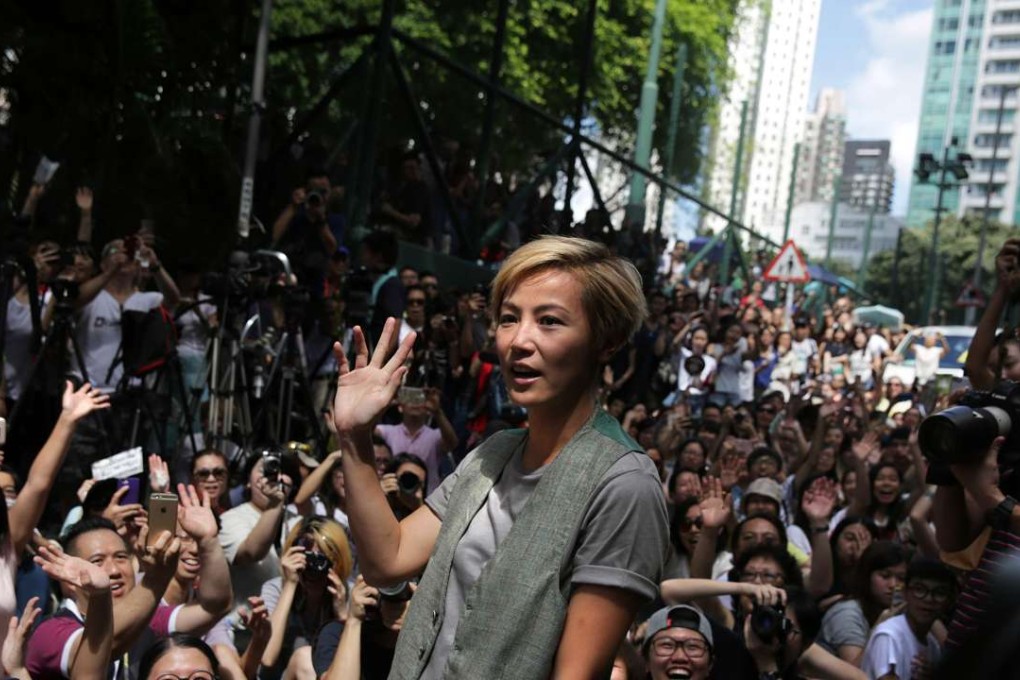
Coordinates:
[147,100]
[958,245]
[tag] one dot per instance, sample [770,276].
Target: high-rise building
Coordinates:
[771,56]
[820,155]
[951,88]
[868,177]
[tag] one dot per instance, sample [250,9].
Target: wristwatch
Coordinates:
[999,517]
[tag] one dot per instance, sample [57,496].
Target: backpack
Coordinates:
[149,340]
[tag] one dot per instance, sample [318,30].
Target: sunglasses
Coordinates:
[414,302]
[211,473]
[690,523]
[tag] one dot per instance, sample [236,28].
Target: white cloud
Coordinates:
[884,98]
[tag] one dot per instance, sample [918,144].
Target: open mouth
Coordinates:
[116,588]
[523,375]
[678,674]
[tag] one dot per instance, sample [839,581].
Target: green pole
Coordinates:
[862,270]
[646,118]
[790,194]
[674,123]
[832,220]
[724,267]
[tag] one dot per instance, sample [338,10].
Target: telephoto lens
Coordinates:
[400,592]
[964,432]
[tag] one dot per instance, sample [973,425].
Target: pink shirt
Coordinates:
[426,443]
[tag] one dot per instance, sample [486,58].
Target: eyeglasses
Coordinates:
[211,473]
[694,649]
[413,302]
[196,675]
[768,577]
[938,595]
[690,523]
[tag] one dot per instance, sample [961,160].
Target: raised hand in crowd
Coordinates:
[12,654]
[159,474]
[125,517]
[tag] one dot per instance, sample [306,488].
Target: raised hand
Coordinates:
[256,618]
[363,596]
[119,514]
[159,557]
[716,504]
[364,393]
[820,500]
[83,199]
[73,571]
[79,403]
[293,563]
[159,474]
[194,513]
[866,446]
[764,594]
[13,653]
[1007,265]
[338,591]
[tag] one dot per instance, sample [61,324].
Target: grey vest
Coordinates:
[513,615]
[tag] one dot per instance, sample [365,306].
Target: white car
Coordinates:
[902,364]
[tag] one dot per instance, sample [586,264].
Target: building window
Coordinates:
[1003,66]
[1009,16]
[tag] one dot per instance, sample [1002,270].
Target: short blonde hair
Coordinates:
[330,538]
[611,293]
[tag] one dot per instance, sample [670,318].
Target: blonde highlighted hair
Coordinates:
[611,291]
[330,538]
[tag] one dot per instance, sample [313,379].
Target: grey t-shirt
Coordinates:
[843,624]
[623,539]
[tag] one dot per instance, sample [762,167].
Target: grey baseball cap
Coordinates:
[679,616]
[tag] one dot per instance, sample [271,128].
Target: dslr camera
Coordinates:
[769,623]
[963,433]
[271,464]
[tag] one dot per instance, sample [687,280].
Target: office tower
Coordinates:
[771,57]
[820,156]
[868,178]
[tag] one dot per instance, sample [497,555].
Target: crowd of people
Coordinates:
[754,503]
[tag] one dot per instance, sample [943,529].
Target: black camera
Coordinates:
[769,623]
[694,365]
[964,432]
[314,199]
[316,563]
[271,463]
[409,483]
[65,292]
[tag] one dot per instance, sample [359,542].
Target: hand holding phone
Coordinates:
[162,516]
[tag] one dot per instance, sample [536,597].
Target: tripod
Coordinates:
[288,371]
[227,379]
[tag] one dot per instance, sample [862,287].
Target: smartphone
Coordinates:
[134,494]
[131,244]
[411,396]
[162,515]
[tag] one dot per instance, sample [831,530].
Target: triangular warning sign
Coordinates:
[788,266]
[971,296]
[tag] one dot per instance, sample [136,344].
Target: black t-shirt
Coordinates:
[375,659]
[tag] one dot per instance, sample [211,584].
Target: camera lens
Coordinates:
[961,433]
[767,623]
[409,482]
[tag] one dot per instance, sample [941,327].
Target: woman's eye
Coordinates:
[507,318]
[549,320]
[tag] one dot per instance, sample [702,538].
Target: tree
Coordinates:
[958,244]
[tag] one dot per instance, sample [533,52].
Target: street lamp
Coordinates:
[927,166]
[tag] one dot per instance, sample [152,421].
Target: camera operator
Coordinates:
[103,299]
[308,232]
[404,484]
[413,434]
[989,357]
[379,252]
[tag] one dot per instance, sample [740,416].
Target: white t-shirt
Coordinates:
[99,334]
[877,346]
[235,525]
[192,328]
[892,648]
[695,384]
[926,362]
[18,346]
[803,350]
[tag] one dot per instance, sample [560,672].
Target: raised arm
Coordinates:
[862,451]
[450,439]
[715,513]
[215,593]
[1007,267]
[24,516]
[292,564]
[315,479]
[389,550]
[83,199]
[347,659]
[818,504]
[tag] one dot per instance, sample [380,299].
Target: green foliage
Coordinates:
[147,100]
[958,246]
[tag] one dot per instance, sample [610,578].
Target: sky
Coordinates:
[875,51]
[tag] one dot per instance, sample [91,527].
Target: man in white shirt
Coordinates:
[103,300]
[904,647]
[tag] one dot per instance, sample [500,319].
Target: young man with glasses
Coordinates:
[904,646]
[679,644]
